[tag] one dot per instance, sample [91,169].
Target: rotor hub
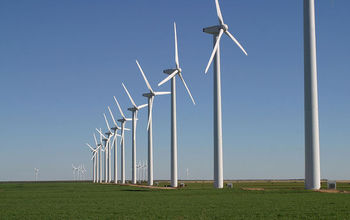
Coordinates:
[224,27]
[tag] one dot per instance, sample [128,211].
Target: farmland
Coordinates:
[198,200]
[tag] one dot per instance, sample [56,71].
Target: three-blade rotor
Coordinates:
[223,28]
[151,95]
[132,101]
[178,70]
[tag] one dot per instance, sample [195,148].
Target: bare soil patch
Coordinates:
[149,187]
[253,189]
[332,191]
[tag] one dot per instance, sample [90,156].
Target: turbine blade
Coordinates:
[150,112]
[120,109]
[214,50]
[168,78]
[142,106]
[110,112]
[100,136]
[218,11]
[144,77]
[162,93]
[93,156]
[127,129]
[236,41]
[95,139]
[127,92]
[188,90]
[104,115]
[100,132]
[176,49]
[122,138]
[113,141]
[92,149]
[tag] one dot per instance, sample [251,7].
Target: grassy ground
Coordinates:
[285,200]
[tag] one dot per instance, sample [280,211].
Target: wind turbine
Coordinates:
[110,134]
[74,172]
[100,156]
[93,162]
[150,96]
[172,74]
[114,142]
[134,111]
[217,32]
[83,172]
[36,172]
[122,143]
[106,150]
[138,166]
[312,137]
[98,160]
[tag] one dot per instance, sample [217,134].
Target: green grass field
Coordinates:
[285,200]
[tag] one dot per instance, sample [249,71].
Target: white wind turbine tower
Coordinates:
[100,178]
[312,138]
[36,172]
[93,151]
[75,169]
[150,96]
[110,134]
[138,166]
[172,75]
[83,172]
[103,140]
[134,111]
[122,142]
[217,32]
[106,149]
[144,170]
[98,160]
[95,160]
[114,142]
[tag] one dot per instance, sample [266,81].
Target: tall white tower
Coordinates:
[312,139]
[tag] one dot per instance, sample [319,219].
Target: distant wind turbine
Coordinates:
[114,142]
[122,142]
[135,109]
[36,173]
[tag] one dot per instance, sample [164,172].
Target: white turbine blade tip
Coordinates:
[144,76]
[127,92]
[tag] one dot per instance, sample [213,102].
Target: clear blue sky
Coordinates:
[61,62]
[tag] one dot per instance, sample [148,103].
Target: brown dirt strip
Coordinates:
[148,187]
[332,191]
[253,189]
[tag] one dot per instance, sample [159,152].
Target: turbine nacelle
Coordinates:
[148,95]
[108,133]
[212,29]
[133,109]
[170,71]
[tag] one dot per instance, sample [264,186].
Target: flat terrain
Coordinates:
[247,200]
